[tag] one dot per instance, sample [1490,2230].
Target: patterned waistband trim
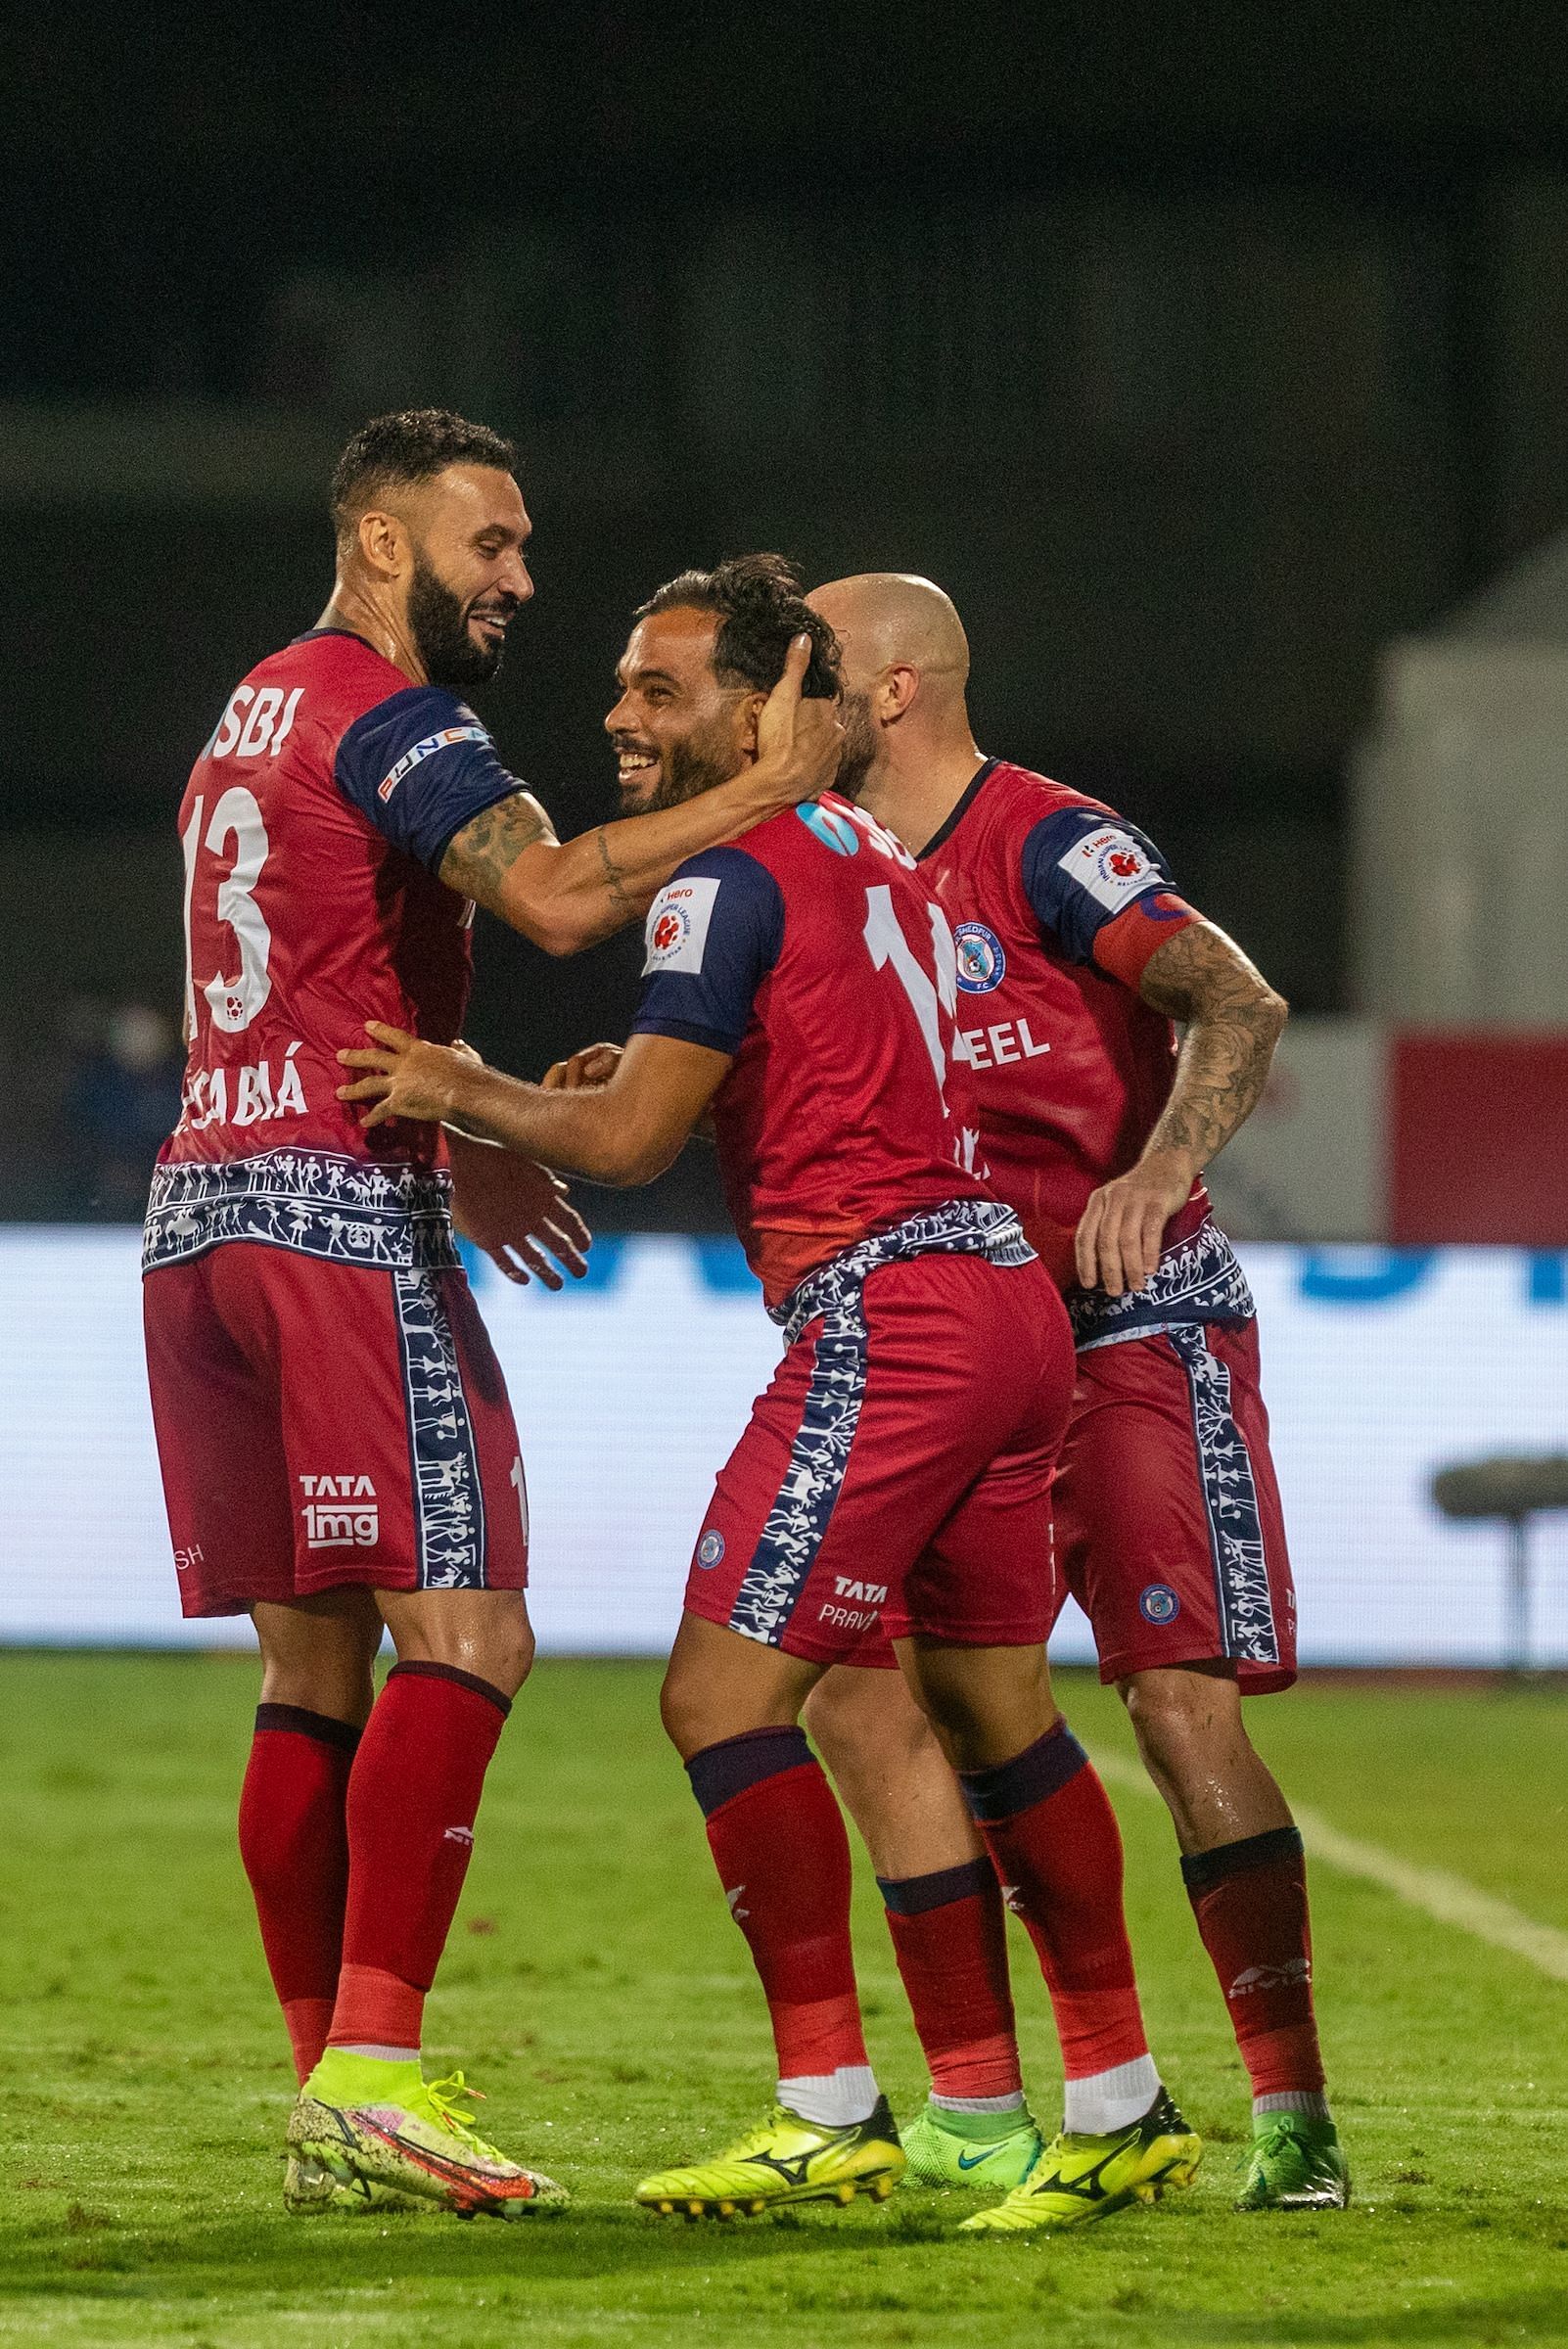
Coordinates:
[1199,1279]
[319,1203]
[958,1227]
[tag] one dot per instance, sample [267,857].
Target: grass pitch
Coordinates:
[596,1989]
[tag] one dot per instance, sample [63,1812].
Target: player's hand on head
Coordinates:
[594,1065]
[518,1212]
[799,741]
[1122,1229]
[406,1078]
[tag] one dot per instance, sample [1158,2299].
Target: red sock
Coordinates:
[950,1936]
[1053,1837]
[295,1846]
[1250,1901]
[778,1842]
[413,1797]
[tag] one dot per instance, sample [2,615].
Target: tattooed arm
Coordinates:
[566,895]
[1233,1021]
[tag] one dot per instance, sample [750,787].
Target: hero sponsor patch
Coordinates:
[982,962]
[428,749]
[1111,866]
[676,933]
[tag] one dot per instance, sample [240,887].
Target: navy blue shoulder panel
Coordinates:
[1081,868]
[714,934]
[420,766]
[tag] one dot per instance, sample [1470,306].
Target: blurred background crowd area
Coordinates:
[1214,360]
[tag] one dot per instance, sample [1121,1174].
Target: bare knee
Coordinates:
[318,1655]
[853,1714]
[719,1685]
[698,1712]
[1183,1714]
[986,1704]
[485,1632]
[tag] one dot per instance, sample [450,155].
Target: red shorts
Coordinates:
[322,1423]
[1169,1529]
[895,1475]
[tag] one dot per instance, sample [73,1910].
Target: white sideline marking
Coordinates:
[1447,1898]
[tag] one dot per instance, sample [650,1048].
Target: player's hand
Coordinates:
[798,742]
[1119,1235]
[516,1210]
[408,1079]
[594,1065]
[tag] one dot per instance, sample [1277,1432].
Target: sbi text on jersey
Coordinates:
[255,724]
[1111,866]
[678,919]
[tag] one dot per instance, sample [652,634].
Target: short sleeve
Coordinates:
[1080,870]
[420,766]
[714,934]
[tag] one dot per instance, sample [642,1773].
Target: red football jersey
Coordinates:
[313,825]
[811,952]
[1070,1067]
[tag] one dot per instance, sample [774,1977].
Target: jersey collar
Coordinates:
[945,831]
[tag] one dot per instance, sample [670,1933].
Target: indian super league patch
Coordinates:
[982,963]
[1111,866]
[1159,1603]
[677,924]
[710,1549]
[670,930]
[833,830]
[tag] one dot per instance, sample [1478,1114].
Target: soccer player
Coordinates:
[336,1447]
[893,1481]
[1075,956]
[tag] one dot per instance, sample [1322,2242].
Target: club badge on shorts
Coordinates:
[1158,1603]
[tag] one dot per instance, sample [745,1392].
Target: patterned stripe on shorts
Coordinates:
[448,1500]
[1245,1603]
[819,1456]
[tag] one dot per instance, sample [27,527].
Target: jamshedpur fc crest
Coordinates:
[982,963]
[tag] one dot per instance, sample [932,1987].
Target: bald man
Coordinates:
[1075,958]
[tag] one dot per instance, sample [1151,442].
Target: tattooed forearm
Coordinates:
[1233,1021]
[479,856]
[614,879]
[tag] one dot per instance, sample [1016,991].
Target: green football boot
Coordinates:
[381,2125]
[786,2160]
[990,2151]
[1079,2179]
[1295,2163]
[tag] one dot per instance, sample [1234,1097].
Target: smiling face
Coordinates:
[677,729]
[467,529]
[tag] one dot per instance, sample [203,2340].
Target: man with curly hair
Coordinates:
[894,1481]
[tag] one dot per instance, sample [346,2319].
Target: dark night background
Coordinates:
[1198,353]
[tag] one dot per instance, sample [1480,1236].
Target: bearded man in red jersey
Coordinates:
[338,1451]
[891,1490]
[1075,958]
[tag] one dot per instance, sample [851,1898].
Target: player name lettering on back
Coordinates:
[1000,1045]
[256,723]
[244,1096]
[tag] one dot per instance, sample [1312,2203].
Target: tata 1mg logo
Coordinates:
[340,1512]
